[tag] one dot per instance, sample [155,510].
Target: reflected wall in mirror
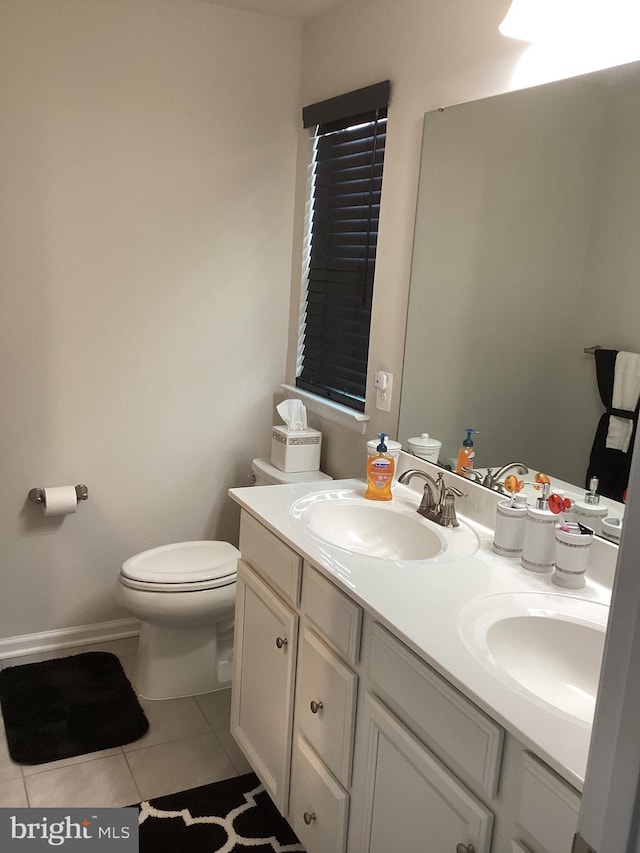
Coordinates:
[527,251]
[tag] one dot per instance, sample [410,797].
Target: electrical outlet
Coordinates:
[383,383]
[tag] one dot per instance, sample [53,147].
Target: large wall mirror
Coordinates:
[527,253]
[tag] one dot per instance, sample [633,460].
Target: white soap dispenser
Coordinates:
[590,511]
[573,541]
[539,547]
[511,519]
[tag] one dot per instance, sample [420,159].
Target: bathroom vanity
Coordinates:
[389,702]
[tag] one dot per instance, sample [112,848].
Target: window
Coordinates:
[348,155]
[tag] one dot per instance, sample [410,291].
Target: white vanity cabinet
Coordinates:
[266,646]
[361,744]
[548,809]
[263,682]
[326,704]
[325,715]
[319,810]
[435,771]
[402,788]
[407,799]
[280,666]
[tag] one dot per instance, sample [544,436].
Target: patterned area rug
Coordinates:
[225,817]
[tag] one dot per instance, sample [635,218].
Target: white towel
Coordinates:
[626,392]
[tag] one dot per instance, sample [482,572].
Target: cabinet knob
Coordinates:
[281,642]
[465,848]
[315,706]
[309,817]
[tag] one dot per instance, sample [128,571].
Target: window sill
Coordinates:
[349,418]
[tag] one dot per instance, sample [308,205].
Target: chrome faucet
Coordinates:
[441,507]
[493,481]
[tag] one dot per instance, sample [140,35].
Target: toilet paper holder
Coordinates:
[36,496]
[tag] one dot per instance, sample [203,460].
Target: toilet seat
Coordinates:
[193,586]
[182,567]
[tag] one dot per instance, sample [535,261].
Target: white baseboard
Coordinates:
[28,644]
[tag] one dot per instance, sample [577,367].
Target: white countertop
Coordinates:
[423,603]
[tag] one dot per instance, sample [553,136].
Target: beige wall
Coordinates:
[435,54]
[150,193]
[147,165]
[439,54]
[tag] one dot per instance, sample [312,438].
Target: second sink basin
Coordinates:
[549,645]
[388,531]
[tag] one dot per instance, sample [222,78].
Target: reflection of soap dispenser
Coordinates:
[466,453]
[380,470]
[539,547]
[590,511]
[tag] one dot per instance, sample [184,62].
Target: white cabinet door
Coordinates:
[404,799]
[263,679]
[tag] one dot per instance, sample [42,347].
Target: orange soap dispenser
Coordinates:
[380,473]
[466,453]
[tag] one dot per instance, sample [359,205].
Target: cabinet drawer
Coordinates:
[441,716]
[319,806]
[334,615]
[325,704]
[549,807]
[269,556]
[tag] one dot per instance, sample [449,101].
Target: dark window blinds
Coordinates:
[349,154]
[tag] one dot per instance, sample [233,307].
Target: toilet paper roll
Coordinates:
[60,500]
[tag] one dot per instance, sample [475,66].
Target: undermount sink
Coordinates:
[545,644]
[388,531]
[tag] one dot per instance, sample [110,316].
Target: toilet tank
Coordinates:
[265,474]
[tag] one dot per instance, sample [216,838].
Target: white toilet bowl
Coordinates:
[184,595]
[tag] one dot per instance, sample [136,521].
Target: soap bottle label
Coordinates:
[379,477]
[381,471]
[465,459]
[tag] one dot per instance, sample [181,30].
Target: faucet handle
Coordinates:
[448,490]
[453,490]
[448,512]
[427,503]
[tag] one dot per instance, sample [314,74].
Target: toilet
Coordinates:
[263,473]
[184,596]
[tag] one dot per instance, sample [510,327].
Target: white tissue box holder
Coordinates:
[295,450]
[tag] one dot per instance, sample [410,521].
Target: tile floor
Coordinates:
[188,744]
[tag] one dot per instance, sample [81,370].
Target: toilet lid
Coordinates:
[274,476]
[183,563]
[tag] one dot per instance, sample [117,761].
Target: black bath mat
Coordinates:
[235,815]
[68,706]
